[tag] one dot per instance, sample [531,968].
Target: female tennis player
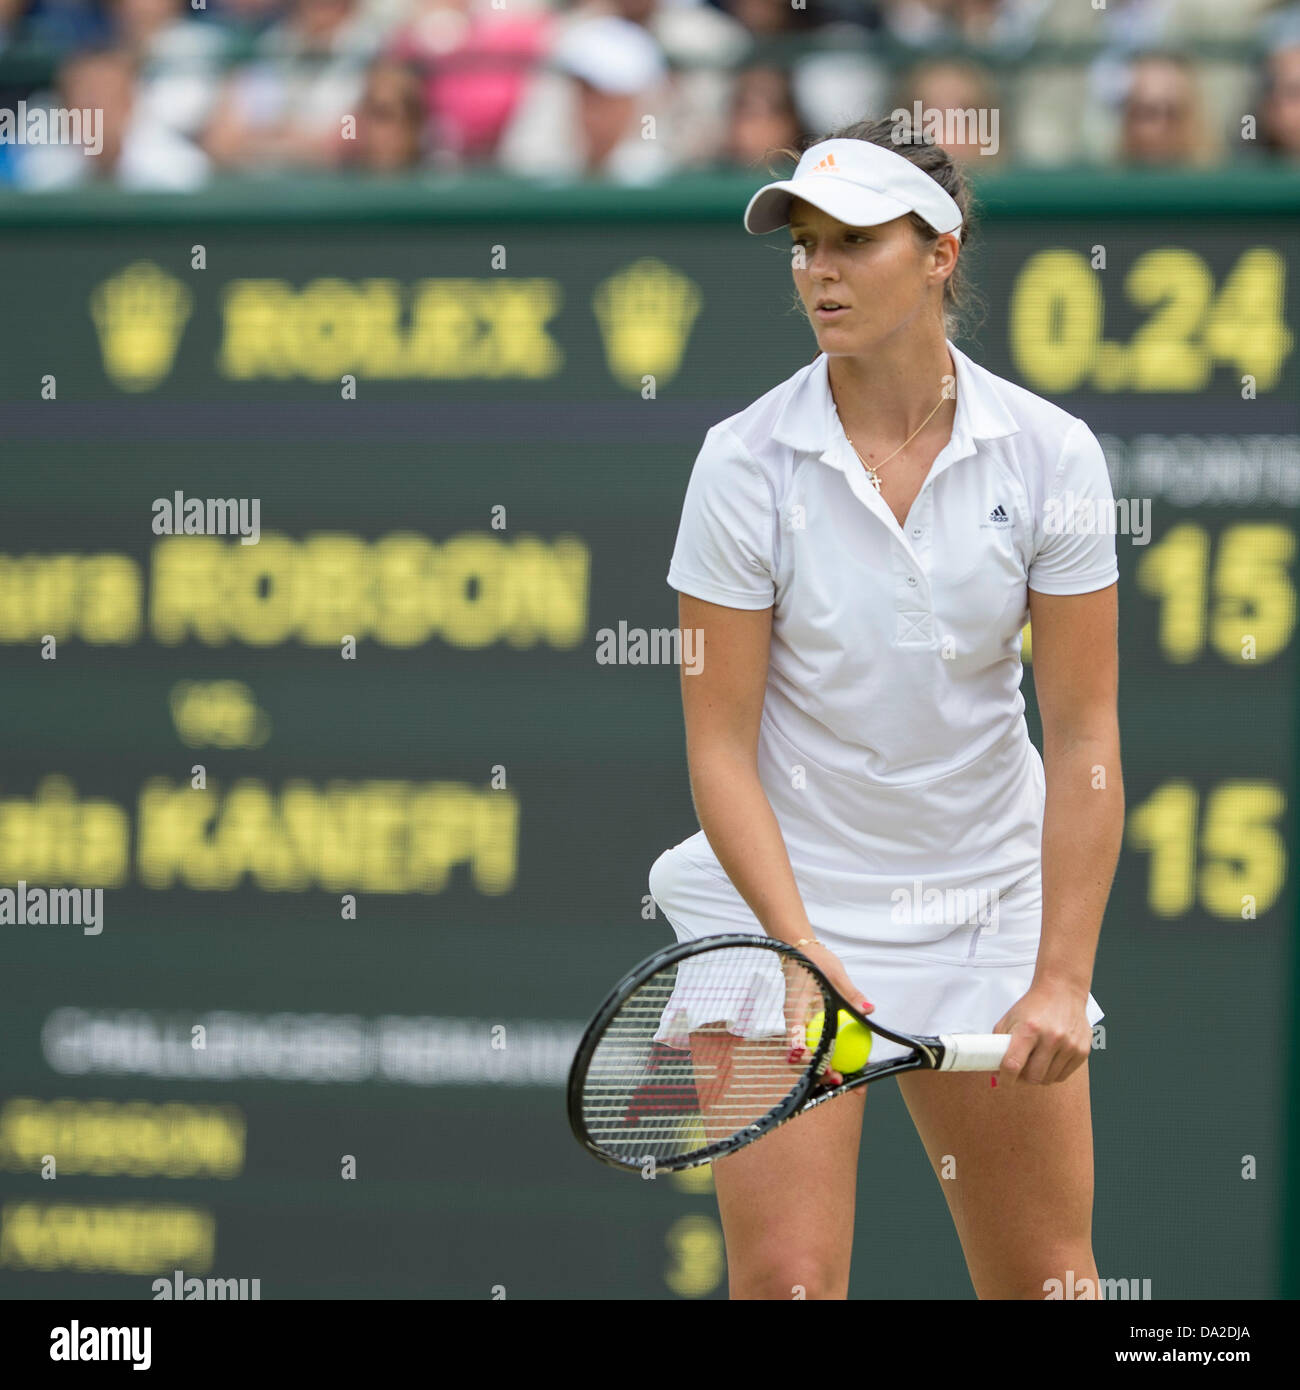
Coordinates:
[860,549]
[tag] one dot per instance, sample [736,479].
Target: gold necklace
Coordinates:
[871,472]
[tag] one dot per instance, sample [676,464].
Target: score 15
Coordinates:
[1242,597]
[1235,867]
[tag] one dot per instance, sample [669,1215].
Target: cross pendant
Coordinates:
[875,480]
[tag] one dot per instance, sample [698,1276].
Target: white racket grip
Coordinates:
[973,1051]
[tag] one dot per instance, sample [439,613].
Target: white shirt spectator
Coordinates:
[153,158]
[617,60]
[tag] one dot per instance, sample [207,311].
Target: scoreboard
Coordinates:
[323,527]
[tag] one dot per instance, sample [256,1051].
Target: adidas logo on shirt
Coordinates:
[998,517]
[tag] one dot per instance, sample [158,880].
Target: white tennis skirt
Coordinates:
[961,982]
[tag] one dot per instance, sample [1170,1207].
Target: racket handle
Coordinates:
[973,1051]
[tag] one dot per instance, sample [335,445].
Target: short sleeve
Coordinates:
[724,550]
[1074,534]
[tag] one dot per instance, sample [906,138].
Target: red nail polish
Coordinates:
[993,1081]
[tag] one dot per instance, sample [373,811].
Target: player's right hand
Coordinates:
[833,968]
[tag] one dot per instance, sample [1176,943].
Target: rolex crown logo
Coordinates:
[646,313]
[139,315]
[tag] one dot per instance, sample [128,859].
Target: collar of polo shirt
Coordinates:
[807,420]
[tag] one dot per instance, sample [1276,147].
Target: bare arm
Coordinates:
[1076,678]
[723,705]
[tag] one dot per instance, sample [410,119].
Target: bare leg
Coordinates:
[787,1205]
[1015,1165]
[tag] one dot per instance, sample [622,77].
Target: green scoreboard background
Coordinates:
[373,815]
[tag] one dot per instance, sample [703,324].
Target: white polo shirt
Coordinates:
[893,745]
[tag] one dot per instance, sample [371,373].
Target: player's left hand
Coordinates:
[1050,1035]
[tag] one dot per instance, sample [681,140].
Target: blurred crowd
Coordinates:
[633,90]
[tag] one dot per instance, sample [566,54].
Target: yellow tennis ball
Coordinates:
[852,1046]
[852,1042]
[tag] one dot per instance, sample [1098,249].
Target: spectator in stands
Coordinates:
[287,108]
[12,14]
[1072,111]
[1132,24]
[763,18]
[764,118]
[65,24]
[391,126]
[586,116]
[917,22]
[768,18]
[835,85]
[689,31]
[1279,132]
[704,48]
[136,153]
[244,17]
[971,126]
[1004,24]
[1164,124]
[477,63]
[11,18]
[179,59]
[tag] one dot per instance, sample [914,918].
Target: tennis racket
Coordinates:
[689,1058]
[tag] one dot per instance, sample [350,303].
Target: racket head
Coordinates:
[688,1059]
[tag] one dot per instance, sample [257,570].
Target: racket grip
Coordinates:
[973,1051]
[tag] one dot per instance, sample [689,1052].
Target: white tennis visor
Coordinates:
[857,183]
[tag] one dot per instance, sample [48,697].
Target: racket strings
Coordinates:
[699,1052]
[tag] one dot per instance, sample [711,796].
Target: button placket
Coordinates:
[914,618]
[920,526]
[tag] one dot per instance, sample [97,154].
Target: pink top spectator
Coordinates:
[470,98]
